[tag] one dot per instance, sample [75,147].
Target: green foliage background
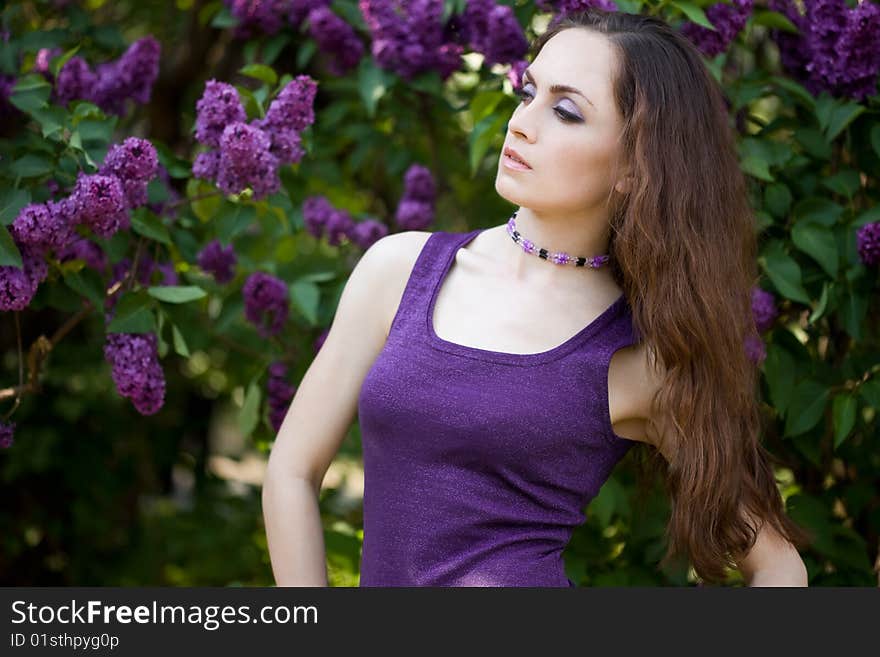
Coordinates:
[95,494]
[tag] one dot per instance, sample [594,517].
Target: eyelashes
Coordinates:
[567,117]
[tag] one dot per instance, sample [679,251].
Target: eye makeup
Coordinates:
[567,117]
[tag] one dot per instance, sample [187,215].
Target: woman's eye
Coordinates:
[565,116]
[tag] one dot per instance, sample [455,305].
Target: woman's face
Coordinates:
[568,140]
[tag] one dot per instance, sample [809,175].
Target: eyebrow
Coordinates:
[558,88]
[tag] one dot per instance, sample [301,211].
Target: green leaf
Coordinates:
[177,293]
[482,136]
[843,409]
[819,310]
[233,219]
[145,223]
[814,142]
[224,19]
[777,198]
[9,253]
[133,314]
[819,210]
[30,92]
[866,217]
[695,13]
[875,138]
[778,372]
[51,119]
[806,408]
[373,82]
[11,202]
[784,272]
[31,166]
[273,47]
[484,103]
[853,309]
[817,242]
[179,343]
[260,72]
[796,89]
[757,168]
[841,117]
[305,53]
[870,392]
[59,63]
[846,182]
[249,415]
[773,19]
[89,284]
[305,296]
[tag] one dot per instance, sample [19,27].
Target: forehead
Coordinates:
[577,57]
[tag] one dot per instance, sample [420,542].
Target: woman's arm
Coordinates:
[772,561]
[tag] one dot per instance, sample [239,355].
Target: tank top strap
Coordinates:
[428,267]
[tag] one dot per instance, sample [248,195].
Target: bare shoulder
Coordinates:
[392,258]
[634,378]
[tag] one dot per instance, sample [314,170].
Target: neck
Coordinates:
[574,235]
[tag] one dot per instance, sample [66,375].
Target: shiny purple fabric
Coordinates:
[479,464]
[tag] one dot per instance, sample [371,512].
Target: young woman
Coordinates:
[500,374]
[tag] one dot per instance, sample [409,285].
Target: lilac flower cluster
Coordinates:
[336,38]
[111,84]
[269,16]
[279,393]
[7,431]
[410,37]
[322,219]
[493,30]
[837,48]
[218,260]
[136,370]
[249,154]
[99,201]
[266,303]
[764,309]
[563,7]
[868,243]
[728,19]
[416,209]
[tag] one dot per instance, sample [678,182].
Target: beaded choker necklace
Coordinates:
[560,258]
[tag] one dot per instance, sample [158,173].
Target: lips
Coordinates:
[516,156]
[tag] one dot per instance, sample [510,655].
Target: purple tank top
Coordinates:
[479,464]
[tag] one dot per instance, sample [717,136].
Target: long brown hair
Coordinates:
[683,248]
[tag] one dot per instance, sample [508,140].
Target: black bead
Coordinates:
[581,262]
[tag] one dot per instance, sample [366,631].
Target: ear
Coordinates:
[623,185]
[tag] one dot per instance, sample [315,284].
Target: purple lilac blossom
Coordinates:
[419,184]
[868,243]
[515,73]
[42,225]
[218,107]
[43,60]
[336,38]
[755,348]
[279,393]
[133,159]
[169,273]
[245,161]
[87,251]
[100,203]
[136,370]
[837,48]
[76,80]
[494,30]
[339,224]
[206,165]
[130,77]
[763,309]
[728,19]
[266,303]
[316,212]
[218,260]
[18,286]
[365,233]
[414,215]
[293,107]
[7,432]
[408,37]
[257,17]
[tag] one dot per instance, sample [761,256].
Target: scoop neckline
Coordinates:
[505,357]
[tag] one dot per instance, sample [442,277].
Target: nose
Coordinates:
[521,123]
